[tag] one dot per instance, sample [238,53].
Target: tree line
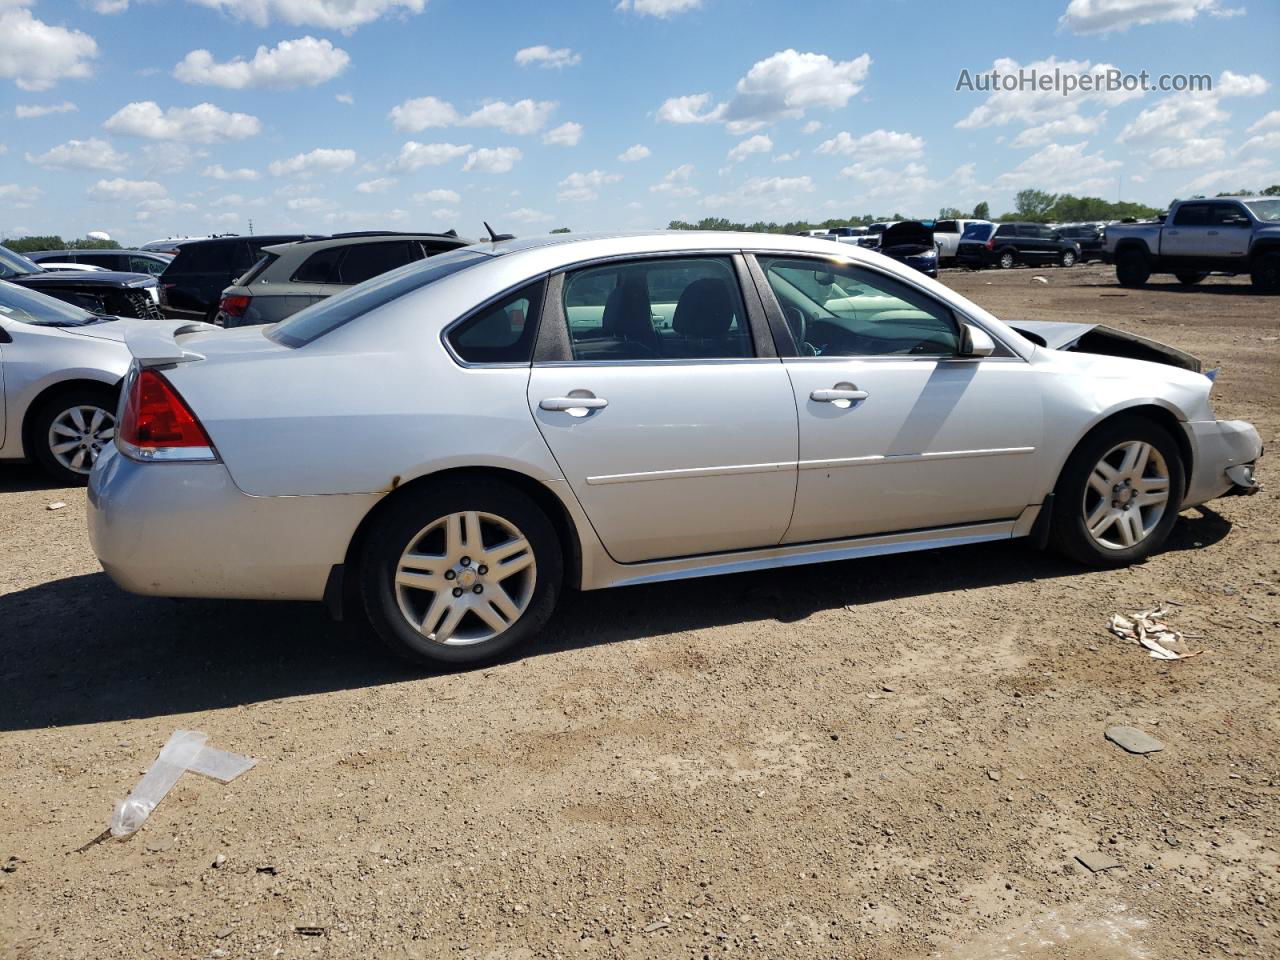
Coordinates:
[32,244]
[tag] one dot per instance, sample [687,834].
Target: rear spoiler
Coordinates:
[155,343]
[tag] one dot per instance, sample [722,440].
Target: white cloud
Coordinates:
[331,14]
[377,185]
[884,147]
[305,62]
[219,172]
[421,113]
[203,123]
[344,98]
[813,126]
[310,204]
[762,193]
[444,213]
[24,112]
[121,190]
[1268,143]
[1058,168]
[108,7]
[757,144]
[492,159]
[585,186]
[228,200]
[527,215]
[1074,125]
[1188,116]
[36,55]
[320,160]
[414,155]
[1270,121]
[544,56]
[1240,85]
[1107,16]
[676,182]
[633,153]
[1193,152]
[786,157]
[438,196]
[565,135]
[659,8]
[91,154]
[367,218]
[520,118]
[1250,173]
[167,156]
[785,84]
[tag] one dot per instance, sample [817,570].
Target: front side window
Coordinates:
[146,265]
[843,310]
[1228,215]
[502,332]
[663,309]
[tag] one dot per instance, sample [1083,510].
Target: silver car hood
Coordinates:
[1101,339]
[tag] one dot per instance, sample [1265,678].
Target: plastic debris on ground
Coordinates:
[1147,629]
[185,750]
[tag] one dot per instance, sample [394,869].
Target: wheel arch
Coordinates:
[343,596]
[52,391]
[1132,244]
[1158,414]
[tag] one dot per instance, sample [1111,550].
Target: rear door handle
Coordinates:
[574,406]
[842,394]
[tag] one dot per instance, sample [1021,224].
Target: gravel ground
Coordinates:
[892,758]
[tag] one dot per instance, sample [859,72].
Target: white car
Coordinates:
[60,374]
[448,445]
[947,234]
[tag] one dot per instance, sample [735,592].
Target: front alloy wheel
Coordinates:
[1068,258]
[1006,260]
[1127,495]
[460,571]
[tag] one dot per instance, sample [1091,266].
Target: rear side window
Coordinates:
[366,260]
[501,332]
[1006,230]
[946,226]
[1192,215]
[212,257]
[977,231]
[320,267]
[252,274]
[147,265]
[109,260]
[315,321]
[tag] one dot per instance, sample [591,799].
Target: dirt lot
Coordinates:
[893,758]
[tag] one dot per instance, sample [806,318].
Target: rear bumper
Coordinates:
[1223,453]
[186,530]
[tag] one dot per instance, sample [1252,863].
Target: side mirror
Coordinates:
[974,342]
[824,277]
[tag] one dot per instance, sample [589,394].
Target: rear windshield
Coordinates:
[977,231]
[30,306]
[327,315]
[266,260]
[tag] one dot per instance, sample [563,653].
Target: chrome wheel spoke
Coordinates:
[64,430]
[77,417]
[1102,523]
[64,447]
[471,532]
[77,462]
[96,421]
[1152,499]
[419,581]
[444,631]
[488,612]
[498,597]
[439,604]
[1135,459]
[424,562]
[505,550]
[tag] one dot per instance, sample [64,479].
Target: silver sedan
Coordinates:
[447,446]
[60,374]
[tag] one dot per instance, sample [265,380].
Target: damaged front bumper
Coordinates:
[1223,456]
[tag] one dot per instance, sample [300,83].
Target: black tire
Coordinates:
[1132,269]
[400,527]
[41,423]
[1069,534]
[1190,279]
[1265,273]
[1006,260]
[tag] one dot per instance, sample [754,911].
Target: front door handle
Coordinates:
[842,395]
[574,406]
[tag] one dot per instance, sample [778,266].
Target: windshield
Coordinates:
[15,264]
[28,306]
[1265,209]
[977,231]
[327,315]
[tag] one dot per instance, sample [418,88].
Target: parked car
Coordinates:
[1087,236]
[291,276]
[60,373]
[946,236]
[109,293]
[193,283]
[449,444]
[911,242]
[841,232]
[1006,245]
[871,239]
[55,265]
[1236,235]
[171,245]
[129,261]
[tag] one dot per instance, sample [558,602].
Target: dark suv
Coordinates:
[192,284]
[1089,236]
[1007,244]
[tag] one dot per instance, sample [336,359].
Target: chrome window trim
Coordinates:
[658,361]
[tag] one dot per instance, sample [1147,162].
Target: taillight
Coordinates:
[157,424]
[991,242]
[234,306]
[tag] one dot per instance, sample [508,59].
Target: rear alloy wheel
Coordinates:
[1007,260]
[1132,269]
[1190,279]
[1119,494]
[1266,273]
[71,431]
[1068,259]
[462,573]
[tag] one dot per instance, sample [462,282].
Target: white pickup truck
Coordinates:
[1199,237]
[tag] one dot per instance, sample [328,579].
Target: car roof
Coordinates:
[63,253]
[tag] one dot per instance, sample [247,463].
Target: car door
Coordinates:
[1188,235]
[896,431]
[1230,231]
[1033,242]
[663,402]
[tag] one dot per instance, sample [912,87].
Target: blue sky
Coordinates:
[147,118]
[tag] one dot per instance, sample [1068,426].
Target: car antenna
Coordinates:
[495,237]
